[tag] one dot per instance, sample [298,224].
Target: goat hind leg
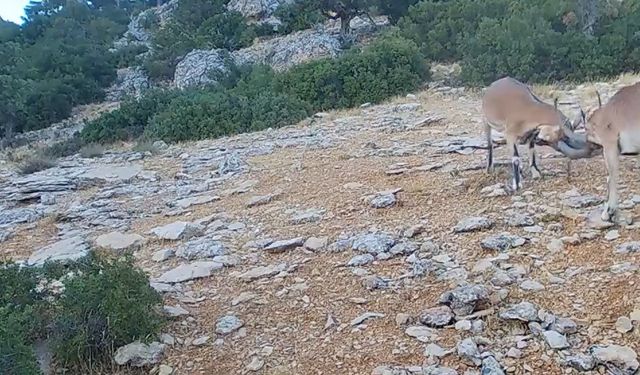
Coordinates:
[533,160]
[613,173]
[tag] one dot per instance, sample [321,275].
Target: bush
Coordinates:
[22,315]
[130,120]
[298,15]
[531,41]
[109,304]
[203,114]
[390,66]
[64,148]
[92,150]
[36,163]
[196,24]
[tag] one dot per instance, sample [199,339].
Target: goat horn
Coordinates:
[599,99]
[555,102]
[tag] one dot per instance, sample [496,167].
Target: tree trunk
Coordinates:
[589,14]
[345,23]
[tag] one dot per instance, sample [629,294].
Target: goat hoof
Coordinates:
[608,214]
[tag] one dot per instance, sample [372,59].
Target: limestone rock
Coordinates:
[119,242]
[67,250]
[138,354]
[186,272]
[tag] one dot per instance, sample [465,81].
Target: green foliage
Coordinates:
[196,24]
[531,41]
[298,15]
[21,319]
[107,305]
[252,105]
[130,120]
[64,148]
[36,163]
[395,9]
[60,59]
[128,56]
[390,66]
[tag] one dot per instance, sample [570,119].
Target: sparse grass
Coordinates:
[64,148]
[36,163]
[92,150]
[144,146]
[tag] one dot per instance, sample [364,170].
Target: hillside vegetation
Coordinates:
[62,56]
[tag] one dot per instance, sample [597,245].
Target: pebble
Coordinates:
[623,324]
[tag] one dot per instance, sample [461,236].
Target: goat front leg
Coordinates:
[613,174]
[516,178]
[487,131]
[533,160]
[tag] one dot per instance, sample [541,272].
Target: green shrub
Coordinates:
[107,305]
[130,120]
[92,150]
[128,56]
[196,24]
[22,319]
[64,148]
[36,163]
[298,15]
[203,114]
[390,66]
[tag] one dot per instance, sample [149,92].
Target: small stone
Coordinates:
[331,321]
[531,286]
[437,317]
[374,282]
[413,231]
[421,333]
[243,297]
[263,271]
[310,216]
[167,339]
[465,299]
[256,364]
[316,243]
[200,341]
[165,370]
[628,247]
[564,326]
[284,245]
[383,200]
[138,354]
[463,325]
[373,243]
[162,255]
[366,316]
[191,271]
[468,350]
[402,319]
[514,353]
[228,324]
[119,242]
[555,245]
[635,316]
[620,358]
[361,260]
[555,340]
[490,366]
[502,242]
[624,324]
[435,350]
[612,235]
[174,311]
[581,362]
[473,224]
[523,311]
[179,230]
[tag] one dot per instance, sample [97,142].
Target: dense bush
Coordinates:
[105,304]
[22,312]
[60,57]
[196,24]
[251,103]
[130,120]
[390,66]
[540,41]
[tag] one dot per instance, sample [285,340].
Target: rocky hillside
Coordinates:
[367,241]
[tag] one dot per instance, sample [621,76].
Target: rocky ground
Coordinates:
[369,241]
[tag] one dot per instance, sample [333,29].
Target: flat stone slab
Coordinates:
[263,271]
[284,245]
[191,271]
[119,242]
[112,172]
[67,250]
[180,230]
[195,201]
